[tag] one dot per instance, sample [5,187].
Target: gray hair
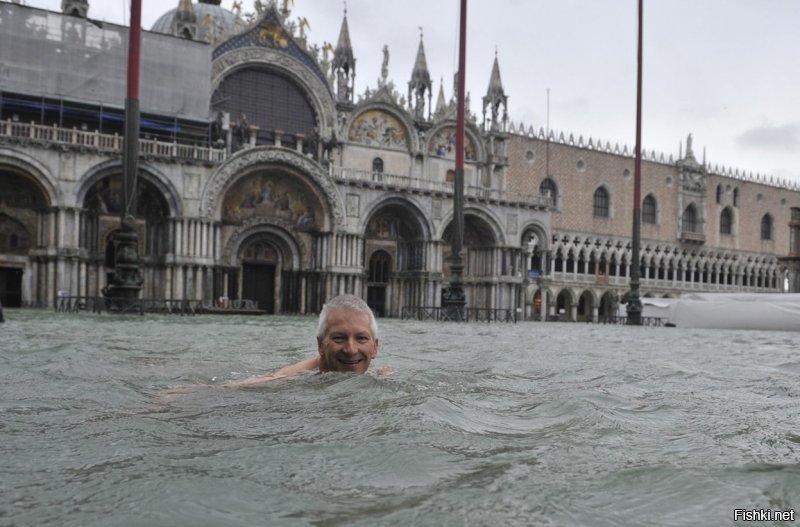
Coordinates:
[350,303]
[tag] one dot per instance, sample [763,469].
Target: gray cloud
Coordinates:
[779,137]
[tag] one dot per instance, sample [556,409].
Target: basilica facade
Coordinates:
[264,176]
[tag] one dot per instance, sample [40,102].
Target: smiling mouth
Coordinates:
[349,362]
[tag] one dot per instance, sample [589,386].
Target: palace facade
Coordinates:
[264,177]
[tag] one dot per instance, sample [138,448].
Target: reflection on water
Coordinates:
[527,424]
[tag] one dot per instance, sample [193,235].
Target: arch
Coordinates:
[586,304]
[26,166]
[766,227]
[608,305]
[252,160]
[318,93]
[146,172]
[548,187]
[726,221]
[380,125]
[267,98]
[414,210]
[537,229]
[379,276]
[441,142]
[601,203]
[564,302]
[650,209]
[291,250]
[689,219]
[377,166]
[486,216]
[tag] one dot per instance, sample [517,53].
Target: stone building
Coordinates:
[264,176]
[703,228]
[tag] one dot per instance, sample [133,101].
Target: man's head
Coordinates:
[347,335]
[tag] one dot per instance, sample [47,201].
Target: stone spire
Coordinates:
[420,83]
[78,8]
[496,97]
[185,22]
[344,64]
[441,103]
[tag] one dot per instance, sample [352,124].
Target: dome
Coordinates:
[223,21]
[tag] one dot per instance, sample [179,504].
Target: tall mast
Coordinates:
[454,299]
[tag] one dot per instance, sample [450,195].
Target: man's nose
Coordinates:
[350,345]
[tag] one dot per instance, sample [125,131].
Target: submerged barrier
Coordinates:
[470,314]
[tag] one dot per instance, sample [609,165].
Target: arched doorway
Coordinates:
[272,216]
[480,260]
[564,305]
[260,260]
[380,271]
[586,307]
[608,305]
[395,245]
[22,203]
[100,219]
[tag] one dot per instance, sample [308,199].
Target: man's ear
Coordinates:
[375,350]
[319,346]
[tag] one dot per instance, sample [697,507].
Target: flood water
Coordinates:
[526,424]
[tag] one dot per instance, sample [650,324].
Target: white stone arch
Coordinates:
[398,113]
[146,172]
[318,93]
[403,201]
[38,172]
[246,161]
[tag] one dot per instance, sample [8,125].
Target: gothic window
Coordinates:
[766,227]
[548,188]
[649,209]
[601,203]
[736,197]
[377,165]
[726,221]
[719,193]
[689,219]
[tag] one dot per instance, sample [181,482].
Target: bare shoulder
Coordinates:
[283,373]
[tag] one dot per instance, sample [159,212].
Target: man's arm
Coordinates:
[288,371]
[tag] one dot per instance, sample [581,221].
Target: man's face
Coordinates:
[348,344]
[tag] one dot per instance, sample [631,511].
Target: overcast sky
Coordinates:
[726,71]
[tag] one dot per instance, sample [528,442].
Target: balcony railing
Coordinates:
[693,237]
[386,180]
[53,135]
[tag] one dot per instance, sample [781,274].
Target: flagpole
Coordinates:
[634,307]
[454,298]
[126,282]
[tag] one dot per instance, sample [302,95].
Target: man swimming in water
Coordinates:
[347,340]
